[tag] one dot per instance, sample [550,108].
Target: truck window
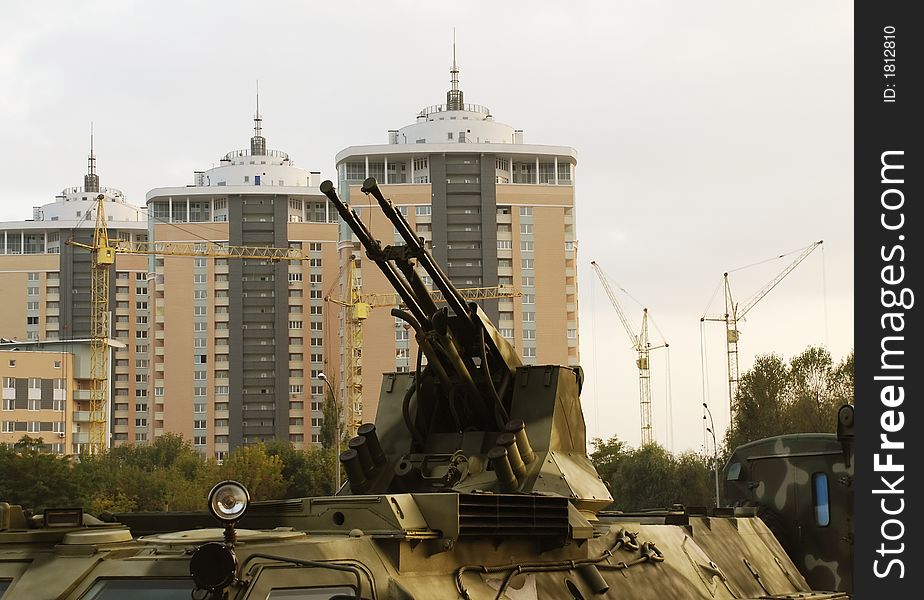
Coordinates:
[141,589]
[820,495]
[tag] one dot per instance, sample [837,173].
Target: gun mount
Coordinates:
[471,416]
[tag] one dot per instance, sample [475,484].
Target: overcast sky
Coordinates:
[710,135]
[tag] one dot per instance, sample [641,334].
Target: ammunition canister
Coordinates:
[508,441]
[518,428]
[361,445]
[354,471]
[367,430]
[502,469]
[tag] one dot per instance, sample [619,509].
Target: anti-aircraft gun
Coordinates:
[472,417]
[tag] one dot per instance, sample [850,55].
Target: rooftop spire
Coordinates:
[91,179]
[258,142]
[454,95]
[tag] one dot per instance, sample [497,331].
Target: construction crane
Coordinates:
[734,313]
[642,346]
[358,307]
[104,252]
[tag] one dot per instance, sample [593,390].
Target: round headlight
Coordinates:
[212,566]
[228,501]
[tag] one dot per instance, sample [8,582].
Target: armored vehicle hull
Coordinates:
[409,546]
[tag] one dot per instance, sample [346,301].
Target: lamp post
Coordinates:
[715,451]
[333,398]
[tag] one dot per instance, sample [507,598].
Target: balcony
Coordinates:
[81,416]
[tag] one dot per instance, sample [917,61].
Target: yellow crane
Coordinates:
[734,313]
[104,252]
[358,307]
[642,346]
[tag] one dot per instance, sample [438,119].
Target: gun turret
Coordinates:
[471,417]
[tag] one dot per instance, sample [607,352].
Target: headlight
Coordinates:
[228,501]
[213,566]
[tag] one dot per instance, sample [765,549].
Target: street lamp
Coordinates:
[333,398]
[715,451]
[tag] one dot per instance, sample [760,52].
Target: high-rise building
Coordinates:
[494,210]
[48,285]
[238,344]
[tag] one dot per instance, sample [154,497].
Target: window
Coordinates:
[526,246]
[314,278]
[199,440]
[820,498]
[315,294]
[423,210]
[199,424]
[529,317]
[528,281]
[221,390]
[294,277]
[527,263]
[526,228]
[529,353]
[314,246]
[314,262]
[141,422]
[199,278]
[572,334]
[295,324]
[529,334]
[504,244]
[526,211]
[507,333]
[529,298]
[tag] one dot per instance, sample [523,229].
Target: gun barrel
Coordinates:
[374,252]
[452,296]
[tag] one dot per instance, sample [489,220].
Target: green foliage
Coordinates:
[305,473]
[258,470]
[652,477]
[803,396]
[167,474]
[331,433]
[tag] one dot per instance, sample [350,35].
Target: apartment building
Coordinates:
[238,344]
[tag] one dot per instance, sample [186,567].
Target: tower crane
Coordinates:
[734,313]
[358,307]
[104,251]
[642,346]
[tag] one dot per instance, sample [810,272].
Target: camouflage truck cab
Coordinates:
[802,486]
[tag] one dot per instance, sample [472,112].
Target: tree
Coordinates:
[803,396]
[652,477]
[305,472]
[34,478]
[260,472]
[331,436]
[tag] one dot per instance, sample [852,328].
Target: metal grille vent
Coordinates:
[513,515]
[273,507]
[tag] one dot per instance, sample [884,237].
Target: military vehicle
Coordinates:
[802,487]
[473,482]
